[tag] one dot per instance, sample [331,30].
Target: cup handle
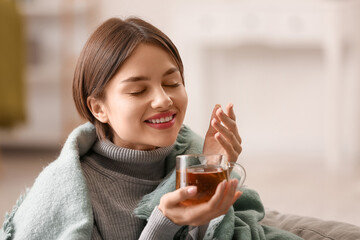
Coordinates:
[237,171]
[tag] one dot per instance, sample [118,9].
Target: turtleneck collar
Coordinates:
[136,163]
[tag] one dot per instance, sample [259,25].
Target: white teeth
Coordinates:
[161,120]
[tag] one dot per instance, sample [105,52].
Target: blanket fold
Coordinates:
[241,221]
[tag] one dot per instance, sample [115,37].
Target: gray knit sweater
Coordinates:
[117,179]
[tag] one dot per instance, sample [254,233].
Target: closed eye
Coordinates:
[137,92]
[172,85]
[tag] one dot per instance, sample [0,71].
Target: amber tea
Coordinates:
[205,171]
[205,177]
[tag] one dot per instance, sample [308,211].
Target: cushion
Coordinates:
[311,228]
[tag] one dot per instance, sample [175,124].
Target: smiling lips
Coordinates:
[162,120]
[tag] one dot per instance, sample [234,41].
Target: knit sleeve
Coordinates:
[159,227]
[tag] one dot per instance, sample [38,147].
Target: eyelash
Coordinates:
[173,85]
[137,93]
[142,91]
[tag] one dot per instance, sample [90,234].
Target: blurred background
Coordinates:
[291,68]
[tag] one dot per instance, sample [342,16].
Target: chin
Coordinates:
[165,142]
[163,138]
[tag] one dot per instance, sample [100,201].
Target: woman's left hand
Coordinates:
[222,136]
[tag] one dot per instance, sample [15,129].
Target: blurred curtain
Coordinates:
[12,65]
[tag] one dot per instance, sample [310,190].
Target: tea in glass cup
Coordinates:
[205,172]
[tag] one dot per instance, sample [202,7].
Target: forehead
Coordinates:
[147,61]
[148,56]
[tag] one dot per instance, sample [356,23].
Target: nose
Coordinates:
[161,99]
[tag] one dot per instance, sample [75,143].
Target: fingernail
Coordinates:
[191,190]
[239,194]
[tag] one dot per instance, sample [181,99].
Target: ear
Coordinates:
[97,109]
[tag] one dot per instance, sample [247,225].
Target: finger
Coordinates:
[228,123]
[231,114]
[203,212]
[215,200]
[211,130]
[181,194]
[223,198]
[230,111]
[236,197]
[225,119]
[229,196]
[232,154]
[229,135]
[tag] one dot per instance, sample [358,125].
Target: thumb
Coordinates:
[181,194]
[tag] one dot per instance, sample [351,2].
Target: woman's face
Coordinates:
[145,102]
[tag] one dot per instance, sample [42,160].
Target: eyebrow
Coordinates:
[170,71]
[143,78]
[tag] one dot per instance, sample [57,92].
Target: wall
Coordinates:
[289,67]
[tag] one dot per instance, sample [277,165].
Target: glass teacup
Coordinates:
[205,172]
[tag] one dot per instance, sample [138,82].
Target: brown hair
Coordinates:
[104,53]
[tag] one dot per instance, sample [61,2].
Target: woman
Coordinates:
[129,85]
[141,105]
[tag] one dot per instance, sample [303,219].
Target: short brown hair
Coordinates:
[104,53]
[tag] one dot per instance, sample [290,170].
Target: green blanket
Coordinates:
[58,205]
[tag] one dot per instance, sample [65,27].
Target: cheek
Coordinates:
[122,112]
[131,112]
[183,99]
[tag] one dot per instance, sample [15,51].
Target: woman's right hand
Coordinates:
[196,215]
